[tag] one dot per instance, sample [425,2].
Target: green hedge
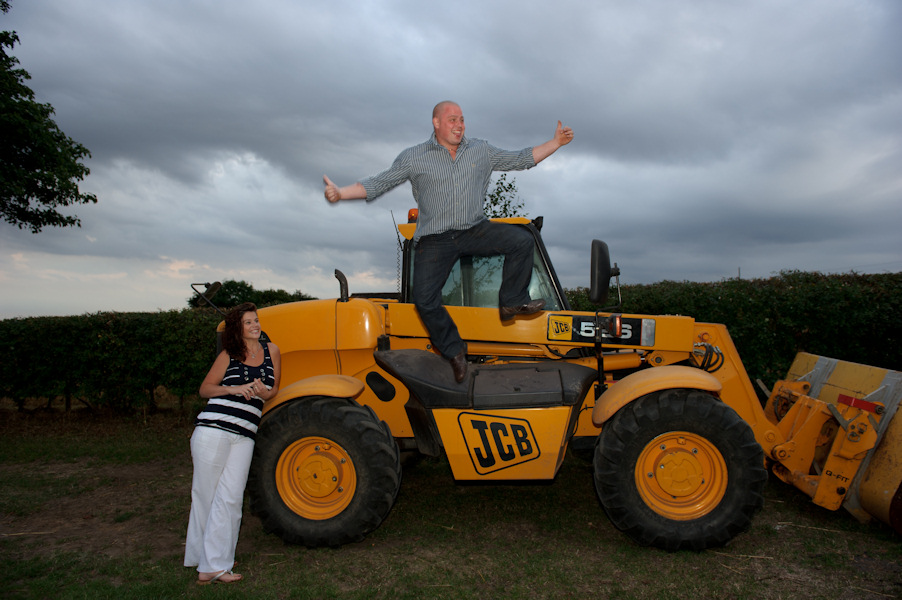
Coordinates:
[114,360]
[119,360]
[850,317]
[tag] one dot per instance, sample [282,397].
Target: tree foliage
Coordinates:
[503,201]
[39,165]
[232,293]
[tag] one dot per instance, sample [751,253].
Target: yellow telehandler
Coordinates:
[682,443]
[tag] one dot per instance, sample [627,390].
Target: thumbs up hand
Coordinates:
[331,192]
[563,135]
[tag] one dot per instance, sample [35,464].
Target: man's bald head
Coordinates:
[441,107]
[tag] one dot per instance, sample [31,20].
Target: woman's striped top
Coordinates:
[234,413]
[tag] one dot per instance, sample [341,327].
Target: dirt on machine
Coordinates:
[683,445]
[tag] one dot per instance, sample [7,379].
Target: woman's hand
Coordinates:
[254,388]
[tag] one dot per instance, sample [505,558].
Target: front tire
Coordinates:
[678,469]
[326,472]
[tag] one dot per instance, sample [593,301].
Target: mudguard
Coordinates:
[335,386]
[651,380]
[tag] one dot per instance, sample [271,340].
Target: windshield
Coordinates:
[475,281]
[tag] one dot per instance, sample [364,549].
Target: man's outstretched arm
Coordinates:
[333,193]
[562,137]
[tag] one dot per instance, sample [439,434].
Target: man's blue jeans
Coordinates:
[435,257]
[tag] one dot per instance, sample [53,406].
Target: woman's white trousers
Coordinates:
[221,463]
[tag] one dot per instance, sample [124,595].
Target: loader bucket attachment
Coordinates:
[843,438]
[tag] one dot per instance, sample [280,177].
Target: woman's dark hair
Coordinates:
[232,340]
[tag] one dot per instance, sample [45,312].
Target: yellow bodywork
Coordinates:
[839,454]
[518,444]
[319,337]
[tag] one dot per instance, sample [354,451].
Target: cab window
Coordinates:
[476,280]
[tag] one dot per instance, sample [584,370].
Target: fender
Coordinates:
[651,380]
[336,386]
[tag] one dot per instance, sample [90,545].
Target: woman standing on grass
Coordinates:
[244,375]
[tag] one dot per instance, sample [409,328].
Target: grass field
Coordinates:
[96,507]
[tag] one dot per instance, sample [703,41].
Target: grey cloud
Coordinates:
[710,136]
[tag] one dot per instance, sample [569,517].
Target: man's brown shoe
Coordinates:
[532,307]
[459,366]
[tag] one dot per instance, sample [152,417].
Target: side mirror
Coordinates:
[212,289]
[206,297]
[600,276]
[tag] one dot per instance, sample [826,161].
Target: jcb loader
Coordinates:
[682,444]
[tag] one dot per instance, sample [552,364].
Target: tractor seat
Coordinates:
[429,378]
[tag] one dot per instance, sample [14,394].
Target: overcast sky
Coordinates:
[714,138]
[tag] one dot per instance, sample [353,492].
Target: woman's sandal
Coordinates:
[218,578]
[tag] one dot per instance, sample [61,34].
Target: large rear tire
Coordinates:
[326,472]
[679,470]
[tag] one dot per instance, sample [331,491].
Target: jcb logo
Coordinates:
[495,443]
[560,328]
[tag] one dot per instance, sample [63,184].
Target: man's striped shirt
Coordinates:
[450,194]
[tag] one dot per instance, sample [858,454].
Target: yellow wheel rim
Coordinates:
[316,478]
[681,476]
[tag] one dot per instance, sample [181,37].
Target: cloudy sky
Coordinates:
[714,138]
